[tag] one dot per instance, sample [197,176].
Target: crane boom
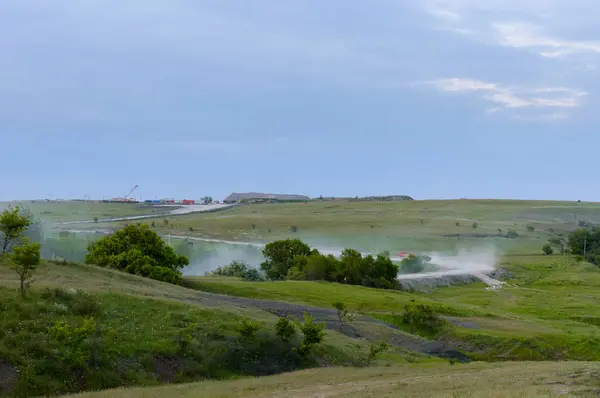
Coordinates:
[130,192]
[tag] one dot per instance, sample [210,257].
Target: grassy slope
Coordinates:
[411,225]
[140,322]
[551,304]
[521,380]
[81,211]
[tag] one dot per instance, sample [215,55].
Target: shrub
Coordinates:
[412,264]
[421,317]
[547,249]
[511,234]
[375,350]
[313,334]
[247,328]
[530,228]
[138,250]
[285,329]
[238,269]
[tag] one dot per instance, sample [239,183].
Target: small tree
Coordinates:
[285,329]
[343,314]
[96,219]
[13,224]
[530,228]
[247,328]
[313,334]
[475,225]
[547,249]
[375,350]
[24,260]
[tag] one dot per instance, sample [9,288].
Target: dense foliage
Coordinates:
[13,224]
[280,256]
[138,250]
[293,259]
[585,242]
[238,269]
[57,342]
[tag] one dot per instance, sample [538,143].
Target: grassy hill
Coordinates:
[139,332]
[132,331]
[406,225]
[507,380]
[549,309]
[140,323]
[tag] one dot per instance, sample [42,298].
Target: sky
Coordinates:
[435,99]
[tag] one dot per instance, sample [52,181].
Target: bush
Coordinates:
[412,264]
[247,328]
[238,269]
[547,249]
[138,250]
[511,234]
[313,334]
[285,329]
[421,317]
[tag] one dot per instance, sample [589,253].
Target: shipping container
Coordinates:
[188,201]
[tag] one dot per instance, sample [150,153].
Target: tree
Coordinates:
[96,219]
[24,260]
[547,249]
[207,200]
[280,256]
[475,225]
[530,228]
[138,250]
[422,317]
[382,273]
[13,224]
[412,264]
[351,267]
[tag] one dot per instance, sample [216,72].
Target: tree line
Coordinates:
[295,260]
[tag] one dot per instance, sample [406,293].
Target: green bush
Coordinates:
[285,329]
[138,250]
[421,318]
[239,269]
[313,334]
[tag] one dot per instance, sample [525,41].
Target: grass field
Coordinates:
[549,310]
[139,324]
[378,226]
[50,212]
[522,380]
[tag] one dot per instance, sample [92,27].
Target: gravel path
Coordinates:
[362,327]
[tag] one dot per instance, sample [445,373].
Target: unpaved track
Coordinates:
[359,328]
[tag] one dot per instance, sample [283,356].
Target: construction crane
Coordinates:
[130,192]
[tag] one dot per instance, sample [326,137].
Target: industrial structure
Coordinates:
[264,197]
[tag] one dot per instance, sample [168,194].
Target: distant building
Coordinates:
[254,196]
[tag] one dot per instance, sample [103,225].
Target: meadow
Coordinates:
[548,311]
[394,226]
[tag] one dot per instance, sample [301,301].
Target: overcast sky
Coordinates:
[434,99]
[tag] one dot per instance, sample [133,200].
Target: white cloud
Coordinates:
[523,35]
[510,97]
